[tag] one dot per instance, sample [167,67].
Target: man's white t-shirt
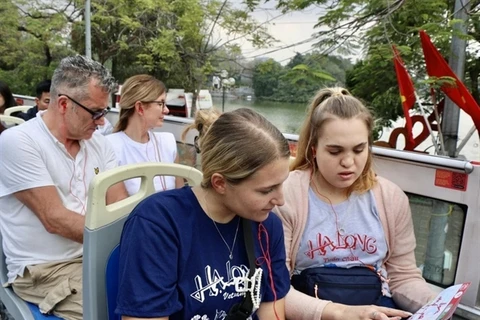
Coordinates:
[32,157]
[161,147]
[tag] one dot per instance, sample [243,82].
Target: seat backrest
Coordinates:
[104,224]
[11,110]
[9,120]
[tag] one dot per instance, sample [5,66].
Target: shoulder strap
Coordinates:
[248,238]
[243,310]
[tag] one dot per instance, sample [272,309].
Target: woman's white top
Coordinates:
[161,147]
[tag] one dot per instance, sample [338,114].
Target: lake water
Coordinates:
[288,117]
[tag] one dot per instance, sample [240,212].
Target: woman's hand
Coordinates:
[335,311]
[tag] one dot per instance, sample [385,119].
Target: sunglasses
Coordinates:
[96,115]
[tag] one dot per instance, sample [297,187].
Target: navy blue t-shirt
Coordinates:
[174,263]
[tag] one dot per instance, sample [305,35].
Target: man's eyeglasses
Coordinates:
[96,115]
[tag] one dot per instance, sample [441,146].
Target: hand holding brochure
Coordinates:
[443,306]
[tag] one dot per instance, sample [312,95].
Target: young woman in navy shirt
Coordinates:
[182,251]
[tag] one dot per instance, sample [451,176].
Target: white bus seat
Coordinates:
[9,120]
[103,227]
[11,110]
[18,308]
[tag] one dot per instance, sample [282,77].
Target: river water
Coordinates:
[288,117]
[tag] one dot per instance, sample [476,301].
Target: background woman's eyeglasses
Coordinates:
[96,115]
[159,103]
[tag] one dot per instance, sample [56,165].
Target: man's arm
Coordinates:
[48,207]
[116,193]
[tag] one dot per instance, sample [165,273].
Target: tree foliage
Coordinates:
[300,78]
[31,41]
[370,27]
[266,78]
[176,41]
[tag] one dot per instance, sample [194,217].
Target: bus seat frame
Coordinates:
[104,224]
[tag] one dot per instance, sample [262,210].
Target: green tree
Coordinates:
[229,58]
[300,83]
[172,40]
[302,74]
[301,78]
[378,89]
[31,41]
[296,60]
[333,65]
[186,47]
[375,26]
[266,77]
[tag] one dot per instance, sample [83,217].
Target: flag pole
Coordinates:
[437,118]
[458,46]
[88,31]
[435,144]
[465,140]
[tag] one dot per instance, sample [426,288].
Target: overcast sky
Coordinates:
[288,29]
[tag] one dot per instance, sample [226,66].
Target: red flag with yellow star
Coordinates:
[407,93]
[458,93]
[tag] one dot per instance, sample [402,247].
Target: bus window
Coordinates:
[438,229]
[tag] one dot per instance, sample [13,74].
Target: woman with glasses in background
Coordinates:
[6,101]
[142,108]
[6,97]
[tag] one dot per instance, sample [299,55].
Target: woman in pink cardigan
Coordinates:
[348,233]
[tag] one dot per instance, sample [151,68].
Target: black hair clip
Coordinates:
[195,144]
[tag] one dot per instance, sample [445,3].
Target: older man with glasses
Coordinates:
[46,168]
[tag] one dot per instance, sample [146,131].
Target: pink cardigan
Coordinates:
[409,289]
